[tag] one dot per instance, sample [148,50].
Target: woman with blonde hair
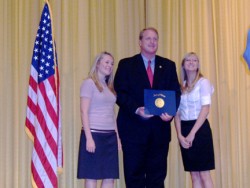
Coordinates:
[192,127]
[99,142]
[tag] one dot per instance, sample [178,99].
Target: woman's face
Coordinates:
[191,63]
[105,66]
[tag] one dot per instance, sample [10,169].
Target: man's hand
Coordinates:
[165,117]
[141,112]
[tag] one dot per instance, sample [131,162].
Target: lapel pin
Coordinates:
[160,66]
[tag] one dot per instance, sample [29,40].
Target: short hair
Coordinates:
[146,29]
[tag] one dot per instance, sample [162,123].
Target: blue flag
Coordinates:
[246,54]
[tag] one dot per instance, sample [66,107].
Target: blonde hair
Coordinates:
[94,76]
[184,79]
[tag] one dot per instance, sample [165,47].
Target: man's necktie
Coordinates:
[150,73]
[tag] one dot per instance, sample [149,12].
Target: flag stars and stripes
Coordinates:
[45,42]
[44,122]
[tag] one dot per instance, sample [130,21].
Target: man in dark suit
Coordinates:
[145,138]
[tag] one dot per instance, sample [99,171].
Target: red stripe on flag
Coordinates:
[36,177]
[49,107]
[31,105]
[49,138]
[30,126]
[52,82]
[45,162]
[33,84]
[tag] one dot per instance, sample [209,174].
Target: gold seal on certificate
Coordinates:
[159,102]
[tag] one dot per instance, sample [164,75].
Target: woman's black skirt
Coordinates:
[103,163]
[200,157]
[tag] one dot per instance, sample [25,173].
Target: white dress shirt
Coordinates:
[191,102]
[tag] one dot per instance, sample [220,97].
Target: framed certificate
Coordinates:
[157,102]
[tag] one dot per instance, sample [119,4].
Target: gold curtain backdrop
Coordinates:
[215,29]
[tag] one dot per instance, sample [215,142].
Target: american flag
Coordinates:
[43,122]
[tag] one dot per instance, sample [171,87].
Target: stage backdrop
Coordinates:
[215,29]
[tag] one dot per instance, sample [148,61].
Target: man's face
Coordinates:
[149,42]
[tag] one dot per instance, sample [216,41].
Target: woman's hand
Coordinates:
[184,143]
[190,138]
[90,145]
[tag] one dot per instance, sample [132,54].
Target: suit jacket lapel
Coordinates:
[157,71]
[141,70]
